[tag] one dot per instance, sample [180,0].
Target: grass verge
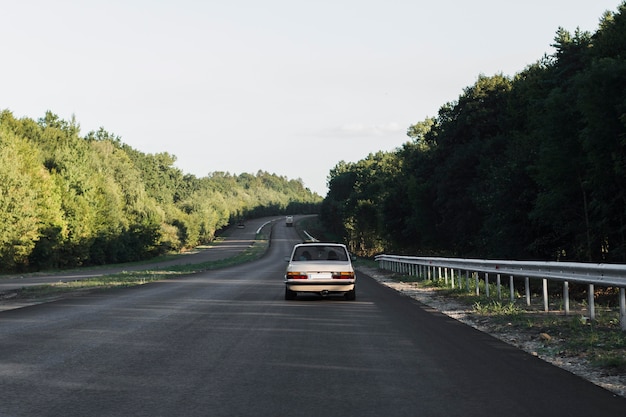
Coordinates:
[47,292]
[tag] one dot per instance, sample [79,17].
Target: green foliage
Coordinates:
[525,167]
[497,308]
[352,206]
[29,202]
[67,200]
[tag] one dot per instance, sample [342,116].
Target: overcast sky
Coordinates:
[290,87]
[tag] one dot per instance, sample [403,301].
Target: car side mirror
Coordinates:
[287,258]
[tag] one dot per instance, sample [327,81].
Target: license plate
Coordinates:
[320,275]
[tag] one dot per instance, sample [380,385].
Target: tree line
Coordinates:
[69,200]
[531,166]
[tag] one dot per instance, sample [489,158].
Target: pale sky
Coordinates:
[290,87]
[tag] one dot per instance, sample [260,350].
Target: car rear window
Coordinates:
[320,253]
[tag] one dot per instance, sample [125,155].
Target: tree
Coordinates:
[29,202]
[70,201]
[463,135]
[562,204]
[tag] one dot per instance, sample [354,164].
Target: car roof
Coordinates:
[321,244]
[320,251]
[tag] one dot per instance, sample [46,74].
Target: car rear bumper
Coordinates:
[316,286]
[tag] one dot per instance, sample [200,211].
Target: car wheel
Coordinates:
[290,295]
[351,295]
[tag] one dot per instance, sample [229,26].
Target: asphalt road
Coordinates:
[226,343]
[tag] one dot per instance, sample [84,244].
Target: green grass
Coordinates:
[497,308]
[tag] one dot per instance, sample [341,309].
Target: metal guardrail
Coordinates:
[606,275]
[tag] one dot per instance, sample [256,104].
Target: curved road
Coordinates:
[226,343]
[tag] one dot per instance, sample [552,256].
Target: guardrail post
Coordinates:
[477,282]
[545,295]
[487,284]
[527,290]
[622,308]
[467,280]
[566,297]
[498,287]
[591,300]
[452,278]
[512,288]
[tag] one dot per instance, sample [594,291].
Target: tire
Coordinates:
[290,295]
[351,295]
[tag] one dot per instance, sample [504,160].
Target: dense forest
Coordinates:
[531,166]
[67,200]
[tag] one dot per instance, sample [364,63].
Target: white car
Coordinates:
[289,221]
[321,268]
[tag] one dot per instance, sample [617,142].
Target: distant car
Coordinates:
[321,268]
[289,221]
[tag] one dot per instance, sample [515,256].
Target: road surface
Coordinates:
[226,343]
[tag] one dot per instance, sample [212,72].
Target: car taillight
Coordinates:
[296,275]
[343,275]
